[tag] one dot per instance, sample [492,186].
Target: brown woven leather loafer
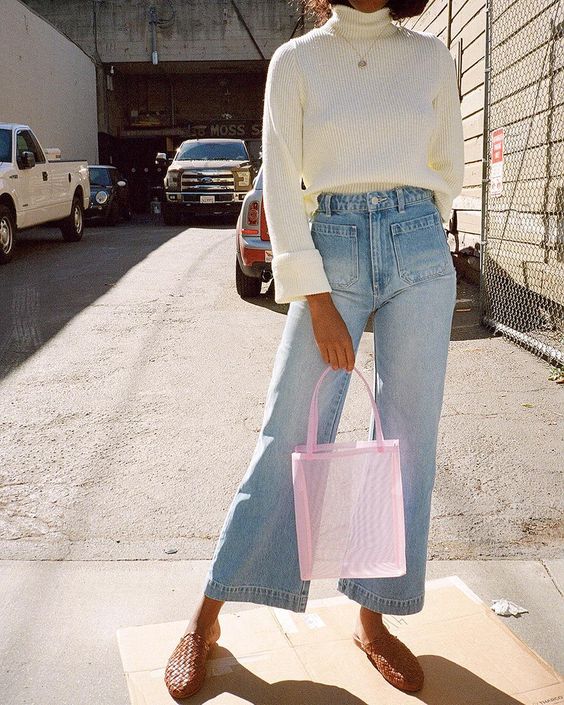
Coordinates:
[394,660]
[185,670]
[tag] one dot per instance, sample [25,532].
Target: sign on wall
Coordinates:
[245,129]
[242,129]
[496,171]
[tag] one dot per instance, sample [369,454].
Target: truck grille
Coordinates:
[206,181]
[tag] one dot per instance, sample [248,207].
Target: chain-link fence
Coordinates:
[522,249]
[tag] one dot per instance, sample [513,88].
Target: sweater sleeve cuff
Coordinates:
[297,274]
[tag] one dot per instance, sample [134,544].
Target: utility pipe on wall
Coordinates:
[153,21]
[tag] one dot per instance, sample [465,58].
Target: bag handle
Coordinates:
[313,424]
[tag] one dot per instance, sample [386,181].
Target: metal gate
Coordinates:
[522,248]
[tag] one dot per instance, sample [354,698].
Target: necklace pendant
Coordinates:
[362,63]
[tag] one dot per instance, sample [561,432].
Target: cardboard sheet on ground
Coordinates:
[271,656]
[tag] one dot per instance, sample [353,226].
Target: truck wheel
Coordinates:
[247,287]
[72,226]
[170,216]
[7,232]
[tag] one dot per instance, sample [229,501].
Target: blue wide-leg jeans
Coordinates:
[385,253]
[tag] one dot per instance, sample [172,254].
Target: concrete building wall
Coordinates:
[187,30]
[47,82]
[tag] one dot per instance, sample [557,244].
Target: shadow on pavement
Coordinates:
[50,281]
[445,681]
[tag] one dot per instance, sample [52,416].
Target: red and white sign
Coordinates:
[496,164]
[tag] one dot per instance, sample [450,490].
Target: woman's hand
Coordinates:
[331,333]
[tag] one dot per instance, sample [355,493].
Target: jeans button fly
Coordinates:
[374,199]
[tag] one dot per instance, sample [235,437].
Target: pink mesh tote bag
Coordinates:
[349,503]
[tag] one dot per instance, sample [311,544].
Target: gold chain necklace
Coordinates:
[362,63]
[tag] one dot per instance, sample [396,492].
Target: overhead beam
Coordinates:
[246,26]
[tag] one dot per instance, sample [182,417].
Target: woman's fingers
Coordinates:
[339,356]
[346,357]
[333,357]
[342,356]
[349,353]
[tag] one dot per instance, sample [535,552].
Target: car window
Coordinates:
[26,143]
[5,145]
[203,151]
[37,151]
[99,176]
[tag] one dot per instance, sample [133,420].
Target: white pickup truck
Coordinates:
[36,187]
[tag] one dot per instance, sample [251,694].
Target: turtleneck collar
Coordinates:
[354,24]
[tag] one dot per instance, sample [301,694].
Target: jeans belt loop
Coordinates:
[401,199]
[327,198]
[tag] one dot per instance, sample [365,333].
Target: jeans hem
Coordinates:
[256,594]
[385,605]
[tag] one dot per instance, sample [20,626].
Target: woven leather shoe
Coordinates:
[185,670]
[394,660]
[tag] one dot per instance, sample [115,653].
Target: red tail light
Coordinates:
[263,225]
[253,213]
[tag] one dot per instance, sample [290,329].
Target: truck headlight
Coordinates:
[172,178]
[101,197]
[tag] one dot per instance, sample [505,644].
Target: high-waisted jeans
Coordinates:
[384,252]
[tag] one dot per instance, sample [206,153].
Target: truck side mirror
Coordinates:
[161,159]
[27,160]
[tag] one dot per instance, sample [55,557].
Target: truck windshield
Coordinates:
[99,177]
[203,151]
[5,145]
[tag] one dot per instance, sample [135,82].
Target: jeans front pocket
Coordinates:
[421,248]
[338,246]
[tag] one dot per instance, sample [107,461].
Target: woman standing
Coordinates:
[367,113]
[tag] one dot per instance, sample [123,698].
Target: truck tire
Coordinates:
[170,216]
[247,287]
[72,226]
[7,234]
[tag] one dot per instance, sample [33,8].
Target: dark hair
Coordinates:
[399,9]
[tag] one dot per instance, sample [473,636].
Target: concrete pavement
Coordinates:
[58,619]
[121,357]
[124,357]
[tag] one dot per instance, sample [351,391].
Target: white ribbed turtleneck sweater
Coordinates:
[342,128]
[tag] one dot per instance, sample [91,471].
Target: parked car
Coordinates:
[253,249]
[36,187]
[206,177]
[109,195]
